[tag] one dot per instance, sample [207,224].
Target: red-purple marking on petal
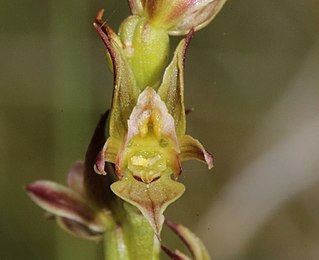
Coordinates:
[171,254]
[59,200]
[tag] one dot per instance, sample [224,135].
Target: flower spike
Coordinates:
[139,162]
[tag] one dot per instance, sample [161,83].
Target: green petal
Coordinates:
[152,199]
[111,149]
[108,154]
[192,149]
[171,90]
[125,91]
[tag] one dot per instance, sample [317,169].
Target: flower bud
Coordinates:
[177,16]
[146,49]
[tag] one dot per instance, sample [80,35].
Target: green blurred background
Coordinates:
[252,77]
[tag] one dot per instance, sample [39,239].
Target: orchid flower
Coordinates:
[146,142]
[147,134]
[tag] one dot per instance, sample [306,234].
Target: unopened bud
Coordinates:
[146,49]
[177,16]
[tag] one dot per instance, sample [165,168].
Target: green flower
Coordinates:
[147,139]
[147,134]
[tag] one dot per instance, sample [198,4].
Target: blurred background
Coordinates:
[251,75]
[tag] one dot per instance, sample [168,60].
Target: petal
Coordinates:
[94,157]
[151,199]
[171,90]
[197,15]
[107,154]
[194,244]
[62,201]
[178,16]
[75,177]
[148,124]
[99,165]
[192,149]
[125,90]
[112,148]
[79,230]
[150,107]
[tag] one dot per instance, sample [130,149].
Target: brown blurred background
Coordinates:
[252,77]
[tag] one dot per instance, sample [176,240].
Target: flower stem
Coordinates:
[133,238]
[114,245]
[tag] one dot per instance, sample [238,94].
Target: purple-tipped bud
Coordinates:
[177,16]
[64,202]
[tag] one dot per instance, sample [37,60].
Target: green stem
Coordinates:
[114,245]
[132,239]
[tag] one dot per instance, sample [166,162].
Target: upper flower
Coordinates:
[177,16]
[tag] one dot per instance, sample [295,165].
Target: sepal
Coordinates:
[125,91]
[192,149]
[64,202]
[171,89]
[108,154]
